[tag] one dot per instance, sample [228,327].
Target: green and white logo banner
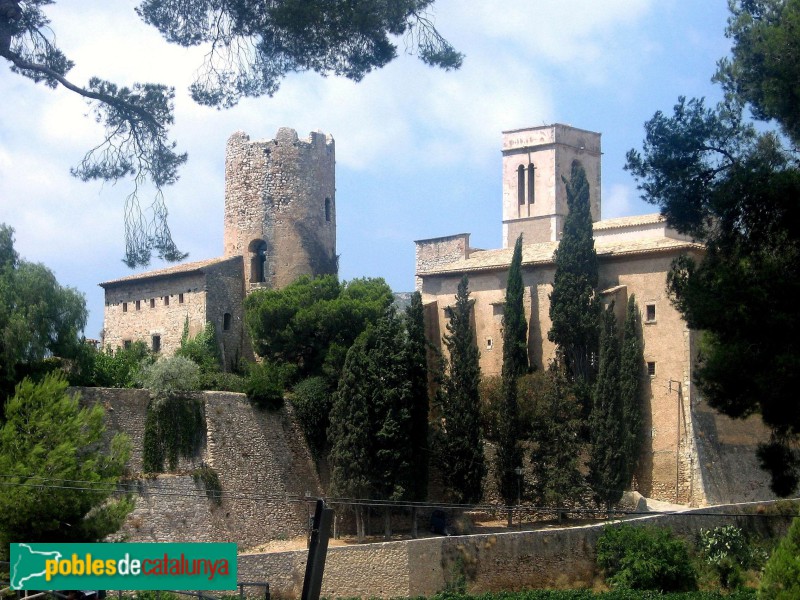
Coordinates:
[135,566]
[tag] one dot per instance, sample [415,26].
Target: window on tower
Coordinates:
[521,185]
[531,173]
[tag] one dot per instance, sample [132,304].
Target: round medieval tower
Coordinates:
[280,207]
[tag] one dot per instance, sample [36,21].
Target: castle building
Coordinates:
[634,256]
[280,223]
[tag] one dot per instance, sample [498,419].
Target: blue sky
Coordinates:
[418,149]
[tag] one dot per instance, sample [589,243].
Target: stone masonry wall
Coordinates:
[261,460]
[225,295]
[281,192]
[155,315]
[436,252]
[490,563]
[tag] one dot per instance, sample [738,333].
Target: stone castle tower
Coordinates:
[534,198]
[280,207]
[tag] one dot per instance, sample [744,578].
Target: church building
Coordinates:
[280,223]
[634,256]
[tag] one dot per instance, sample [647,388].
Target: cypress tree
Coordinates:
[371,417]
[630,384]
[607,462]
[515,363]
[461,451]
[574,309]
[418,382]
[556,444]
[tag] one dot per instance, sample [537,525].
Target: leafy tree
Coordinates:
[48,440]
[313,321]
[460,442]
[515,363]
[417,346]
[556,443]
[371,417]
[38,317]
[607,462]
[764,65]
[252,47]
[574,309]
[735,189]
[630,385]
[781,577]
[266,383]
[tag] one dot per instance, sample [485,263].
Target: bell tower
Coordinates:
[534,196]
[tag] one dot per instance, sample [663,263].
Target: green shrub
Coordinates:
[170,376]
[120,368]
[266,384]
[727,550]
[222,381]
[312,402]
[645,558]
[201,349]
[781,578]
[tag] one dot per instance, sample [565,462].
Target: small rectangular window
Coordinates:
[126,344]
[180,298]
[651,368]
[156,343]
[152,302]
[124,307]
[138,305]
[650,313]
[166,300]
[226,321]
[489,343]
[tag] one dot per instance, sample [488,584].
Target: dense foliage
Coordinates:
[174,429]
[49,440]
[168,377]
[735,188]
[645,558]
[631,372]
[38,317]
[515,363]
[574,308]
[251,46]
[312,322]
[460,444]
[312,400]
[617,594]
[555,441]
[370,432]
[606,422]
[417,352]
[781,578]
[729,553]
[266,383]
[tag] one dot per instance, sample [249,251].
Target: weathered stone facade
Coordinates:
[280,223]
[634,256]
[280,206]
[260,457]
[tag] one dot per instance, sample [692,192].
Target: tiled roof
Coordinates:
[628,221]
[535,254]
[189,267]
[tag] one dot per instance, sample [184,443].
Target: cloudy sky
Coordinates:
[418,149]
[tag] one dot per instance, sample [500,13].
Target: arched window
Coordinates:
[327,209]
[258,261]
[531,174]
[521,185]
